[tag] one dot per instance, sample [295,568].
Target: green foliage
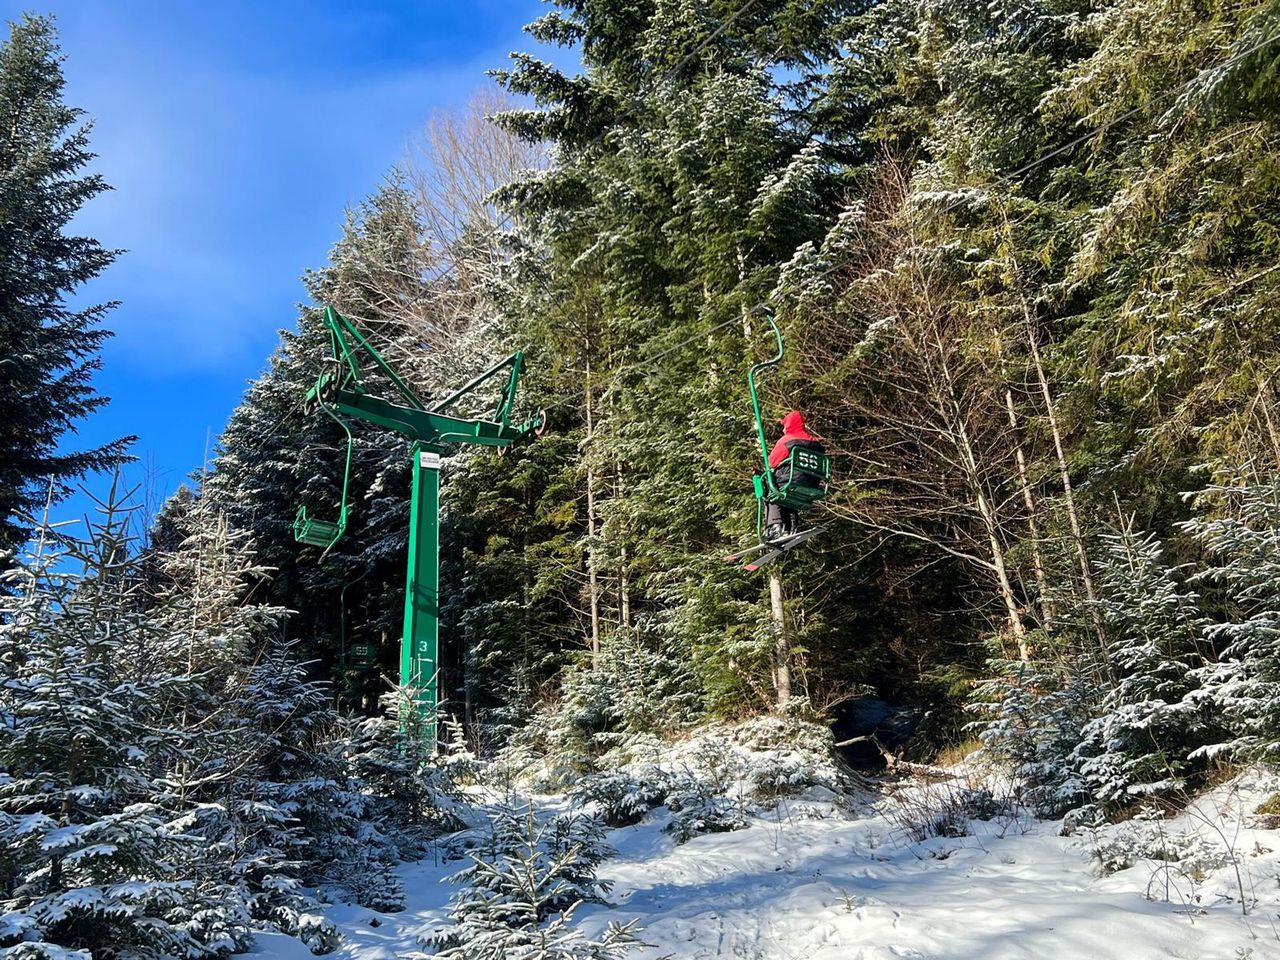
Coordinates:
[527,876]
[1023,256]
[1148,721]
[1242,680]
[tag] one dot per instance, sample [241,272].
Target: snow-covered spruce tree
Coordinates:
[401,800]
[92,861]
[1145,726]
[1241,685]
[406,795]
[201,597]
[202,578]
[527,876]
[640,683]
[286,792]
[252,779]
[278,813]
[1031,717]
[1077,724]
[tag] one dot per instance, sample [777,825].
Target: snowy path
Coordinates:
[843,890]
[809,883]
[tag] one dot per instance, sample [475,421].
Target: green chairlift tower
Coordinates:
[341,392]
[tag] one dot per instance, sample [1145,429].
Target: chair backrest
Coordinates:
[809,462]
[798,496]
[806,472]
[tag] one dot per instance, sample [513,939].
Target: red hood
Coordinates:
[793,425]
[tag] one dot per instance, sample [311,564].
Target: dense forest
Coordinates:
[1022,259]
[1024,256]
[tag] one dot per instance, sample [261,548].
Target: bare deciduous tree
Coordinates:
[924,418]
[454,166]
[429,248]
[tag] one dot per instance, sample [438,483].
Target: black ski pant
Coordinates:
[775,513]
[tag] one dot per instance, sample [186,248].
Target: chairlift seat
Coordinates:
[807,472]
[316,532]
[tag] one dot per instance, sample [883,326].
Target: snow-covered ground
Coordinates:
[813,880]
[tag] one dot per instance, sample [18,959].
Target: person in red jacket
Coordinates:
[781,521]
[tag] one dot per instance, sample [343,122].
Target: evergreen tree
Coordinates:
[1146,725]
[1031,720]
[1241,685]
[527,876]
[92,857]
[51,347]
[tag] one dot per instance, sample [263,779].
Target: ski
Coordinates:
[769,557]
[778,548]
[746,552]
[781,543]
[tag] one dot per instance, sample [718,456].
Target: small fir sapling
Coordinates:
[1031,715]
[1145,725]
[517,897]
[1241,684]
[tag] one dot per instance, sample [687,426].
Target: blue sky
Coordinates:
[234,135]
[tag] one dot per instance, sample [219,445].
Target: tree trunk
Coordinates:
[1272,433]
[986,511]
[624,591]
[1028,500]
[1051,412]
[1068,494]
[624,561]
[593,571]
[781,643]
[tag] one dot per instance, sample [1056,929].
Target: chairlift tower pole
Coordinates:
[420,647]
[342,392]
